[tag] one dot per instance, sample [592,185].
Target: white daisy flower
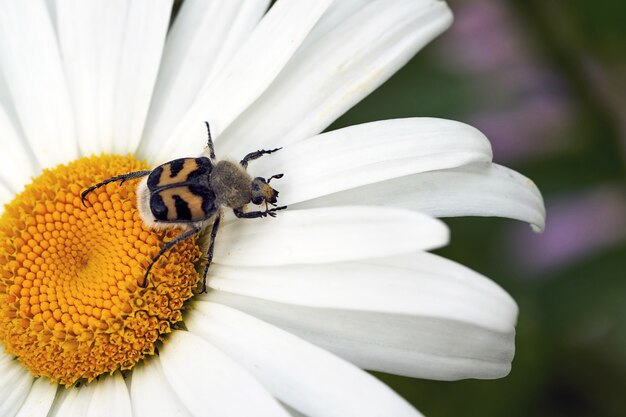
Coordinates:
[299,304]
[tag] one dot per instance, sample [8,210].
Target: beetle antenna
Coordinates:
[210,141]
[277,176]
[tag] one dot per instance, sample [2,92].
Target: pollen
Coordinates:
[71,303]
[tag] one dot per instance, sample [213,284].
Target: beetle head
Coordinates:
[262,192]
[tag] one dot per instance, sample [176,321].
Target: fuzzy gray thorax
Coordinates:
[231,184]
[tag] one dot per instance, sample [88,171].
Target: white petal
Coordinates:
[110,398]
[247,75]
[304,376]
[15,383]
[90,38]
[370,153]
[403,344]
[327,235]
[16,167]
[204,36]
[210,383]
[150,393]
[73,402]
[8,106]
[52,7]
[293,412]
[413,284]
[77,34]
[337,13]
[6,195]
[31,65]
[39,400]
[112,29]
[331,75]
[111,52]
[144,36]
[478,189]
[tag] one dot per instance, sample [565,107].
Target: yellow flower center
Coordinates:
[71,304]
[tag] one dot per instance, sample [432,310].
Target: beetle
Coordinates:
[189,193]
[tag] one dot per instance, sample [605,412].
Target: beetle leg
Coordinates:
[210,141]
[165,248]
[122,178]
[256,214]
[209,256]
[272,212]
[255,155]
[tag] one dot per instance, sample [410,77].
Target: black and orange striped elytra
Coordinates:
[189,193]
[180,191]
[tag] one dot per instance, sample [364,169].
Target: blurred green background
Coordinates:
[546,82]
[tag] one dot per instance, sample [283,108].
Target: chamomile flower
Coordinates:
[298,305]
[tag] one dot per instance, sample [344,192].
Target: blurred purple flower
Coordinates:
[522,104]
[531,127]
[581,225]
[484,38]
